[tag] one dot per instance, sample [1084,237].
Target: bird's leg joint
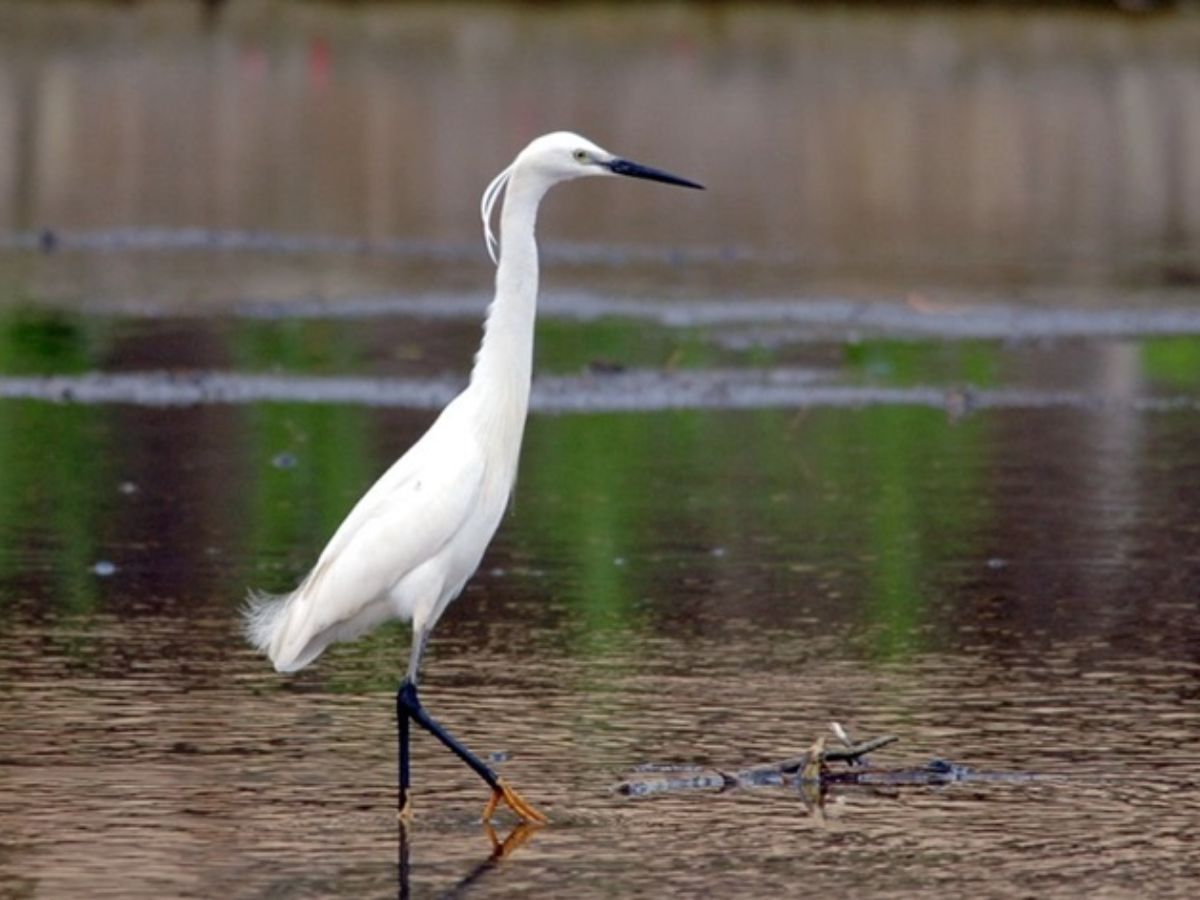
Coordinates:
[407,701]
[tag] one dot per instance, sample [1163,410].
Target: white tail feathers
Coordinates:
[291,630]
[265,618]
[273,625]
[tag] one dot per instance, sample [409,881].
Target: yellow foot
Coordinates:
[521,833]
[406,810]
[513,801]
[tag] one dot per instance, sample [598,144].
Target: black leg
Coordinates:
[402,720]
[408,707]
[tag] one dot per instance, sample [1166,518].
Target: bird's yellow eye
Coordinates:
[581,156]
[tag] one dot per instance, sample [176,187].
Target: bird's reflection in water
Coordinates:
[500,851]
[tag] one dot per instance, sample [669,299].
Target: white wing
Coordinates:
[406,521]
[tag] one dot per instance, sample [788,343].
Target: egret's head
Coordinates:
[562,156]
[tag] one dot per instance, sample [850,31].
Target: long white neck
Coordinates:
[504,365]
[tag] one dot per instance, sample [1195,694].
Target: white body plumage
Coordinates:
[410,544]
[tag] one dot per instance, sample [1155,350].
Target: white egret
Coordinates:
[409,545]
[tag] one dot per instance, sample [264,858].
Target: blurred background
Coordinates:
[895,424]
[890,143]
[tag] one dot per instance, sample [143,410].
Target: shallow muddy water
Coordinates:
[1014,591]
[785,465]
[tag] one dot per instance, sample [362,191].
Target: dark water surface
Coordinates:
[900,430]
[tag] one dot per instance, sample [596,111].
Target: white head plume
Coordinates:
[490,196]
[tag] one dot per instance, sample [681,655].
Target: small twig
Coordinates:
[811,770]
[851,754]
[840,733]
[797,763]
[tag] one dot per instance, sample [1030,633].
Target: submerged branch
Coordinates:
[808,768]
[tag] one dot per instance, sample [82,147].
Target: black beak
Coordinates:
[634,170]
